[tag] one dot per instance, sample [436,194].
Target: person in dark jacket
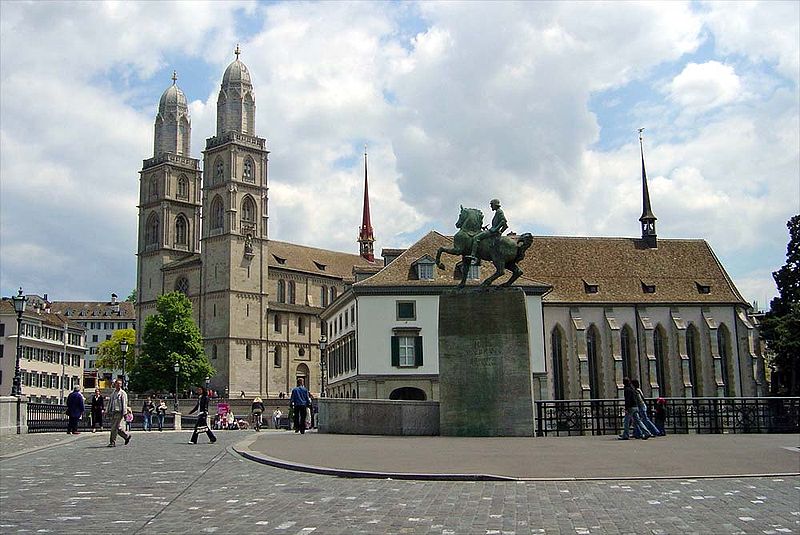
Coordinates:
[632,412]
[98,409]
[202,417]
[299,401]
[75,408]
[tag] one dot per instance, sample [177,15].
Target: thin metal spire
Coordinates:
[237,51]
[648,219]
[366,237]
[174,77]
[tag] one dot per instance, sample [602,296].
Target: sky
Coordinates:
[537,103]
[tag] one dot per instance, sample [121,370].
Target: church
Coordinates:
[205,233]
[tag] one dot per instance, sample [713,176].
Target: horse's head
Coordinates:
[470,219]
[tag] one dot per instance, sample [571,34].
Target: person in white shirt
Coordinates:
[118,407]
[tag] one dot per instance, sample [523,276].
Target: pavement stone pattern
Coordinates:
[160,484]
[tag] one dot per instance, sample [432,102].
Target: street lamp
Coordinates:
[19,308]
[323,343]
[123,347]
[177,368]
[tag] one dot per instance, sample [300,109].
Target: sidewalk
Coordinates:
[458,458]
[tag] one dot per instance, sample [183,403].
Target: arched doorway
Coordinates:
[408,393]
[302,373]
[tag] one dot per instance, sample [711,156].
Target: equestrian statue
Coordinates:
[474,242]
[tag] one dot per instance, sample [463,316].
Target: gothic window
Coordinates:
[152,190]
[281,291]
[182,285]
[219,171]
[183,187]
[323,296]
[723,344]
[626,343]
[217,214]
[181,231]
[333,294]
[659,350]
[151,230]
[292,291]
[593,354]
[557,352]
[692,350]
[248,210]
[247,173]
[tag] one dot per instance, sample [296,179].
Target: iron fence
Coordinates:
[49,418]
[684,415]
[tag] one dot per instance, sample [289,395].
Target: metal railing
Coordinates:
[684,415]
[48,418]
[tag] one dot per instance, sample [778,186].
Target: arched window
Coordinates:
[219,171]
[301,352]
[217,214]
[301,325]
[557,352]
[333,293]
[626,347]
[277,323]
[248,210]
[292,290]
[151,230]
[181,231]
[281,291]
[277,360]
[693,351]
[323,296]
[302,373]
[152,188]
[408,393]
[183,187]
[593,353]
[247,172]
[659,348]
[723,345]
[248,352]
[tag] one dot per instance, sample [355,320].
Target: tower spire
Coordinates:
[648,220]
[174,77]
[366,237]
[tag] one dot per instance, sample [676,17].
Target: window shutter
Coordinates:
[418,351]
[395,351]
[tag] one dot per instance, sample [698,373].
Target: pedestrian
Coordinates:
[75,408]
[300,401]
[631,413]
[276,418]
[242,394]
[98,409]
[257,409]
[660,416]
[128,418]
[161,413]
[641,403]
[118,408]
[202,417]
[148,408]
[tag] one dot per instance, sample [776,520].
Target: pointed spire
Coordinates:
[648,220]
[174,77]
[366,237]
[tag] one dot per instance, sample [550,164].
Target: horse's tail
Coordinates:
[524,242]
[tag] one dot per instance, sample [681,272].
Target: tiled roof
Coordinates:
[284,255]
[619,267]
[52,318]
[80,310]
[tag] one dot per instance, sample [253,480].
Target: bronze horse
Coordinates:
[502,251]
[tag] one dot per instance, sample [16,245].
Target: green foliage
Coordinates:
[110,355]
[781,325]
[170,337]
[131,297]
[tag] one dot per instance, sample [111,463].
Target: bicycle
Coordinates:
[256,416]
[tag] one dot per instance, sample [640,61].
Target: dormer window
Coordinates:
[278,259]
[320,267]
[648,288]
[590,287]
[424,268]
[703,288]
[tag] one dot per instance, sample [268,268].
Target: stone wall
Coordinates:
[378,417]
[8,414]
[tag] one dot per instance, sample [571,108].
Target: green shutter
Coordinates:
[418,351]
[395,351]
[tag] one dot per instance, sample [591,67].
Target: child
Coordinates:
[128,419]
[660,416]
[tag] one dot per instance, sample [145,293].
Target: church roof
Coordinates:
[310,260]
[173,98]
[236,73]
[588,270]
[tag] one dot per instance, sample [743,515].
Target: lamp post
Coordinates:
[323,343]
[19,308]
[177,368]
[123,347]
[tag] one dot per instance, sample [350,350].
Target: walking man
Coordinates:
[632,413]
[148,408]
[118,407]
[202,417]
[75,408]
[300,401]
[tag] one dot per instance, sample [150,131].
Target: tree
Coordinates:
[170,337]
[781,325]
[110,355]
[131,297]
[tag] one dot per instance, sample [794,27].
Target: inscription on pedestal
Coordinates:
[484,364]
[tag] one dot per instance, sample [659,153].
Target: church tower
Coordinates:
[366,238]
[648,220]
[234,240]
[169,203]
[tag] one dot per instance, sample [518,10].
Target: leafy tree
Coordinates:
[131,296]
[170,337]
[781,325]
[110,355]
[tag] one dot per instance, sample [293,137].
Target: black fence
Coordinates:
[48,418]
[684,415]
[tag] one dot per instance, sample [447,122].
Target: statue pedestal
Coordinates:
[484,364]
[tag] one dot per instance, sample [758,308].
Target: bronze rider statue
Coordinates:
[499,225]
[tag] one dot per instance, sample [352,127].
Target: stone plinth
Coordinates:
[378,417]
[484,364]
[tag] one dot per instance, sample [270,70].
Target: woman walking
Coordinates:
[202,417]
[98,409]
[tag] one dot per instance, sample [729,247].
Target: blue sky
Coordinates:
[535,102]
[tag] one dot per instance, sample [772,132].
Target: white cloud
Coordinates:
[700,87]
